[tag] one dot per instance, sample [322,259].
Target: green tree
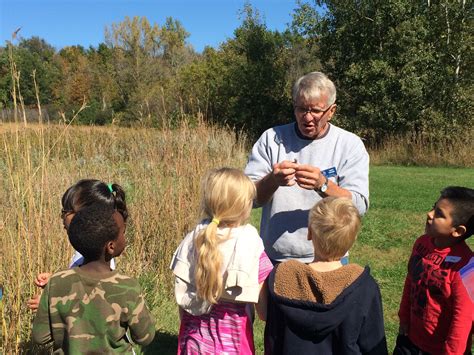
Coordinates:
[203,83]
[135,47]
[173,42]
[35,54]
[5,78]
[261,97]
[393,72]
[144,57]
[451,36]
[104,93]
[76,83]
[242,84]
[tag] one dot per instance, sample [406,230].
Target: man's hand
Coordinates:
[284,173]
[309,177]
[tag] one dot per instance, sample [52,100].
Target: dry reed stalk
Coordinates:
[20,97]
[417,150]
[26,197]
[40,115]
[13,72]
[160,171]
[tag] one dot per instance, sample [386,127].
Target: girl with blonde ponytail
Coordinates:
[220,270]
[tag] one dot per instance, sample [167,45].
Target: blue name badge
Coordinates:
[452,259]
[330,172]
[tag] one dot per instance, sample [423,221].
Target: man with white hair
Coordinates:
[297,164]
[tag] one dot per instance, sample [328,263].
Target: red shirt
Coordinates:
[435,304]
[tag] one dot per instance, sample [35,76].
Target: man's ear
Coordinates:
[332,111]
[459,231]
[310,235]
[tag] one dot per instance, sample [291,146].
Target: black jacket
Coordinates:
[352,323]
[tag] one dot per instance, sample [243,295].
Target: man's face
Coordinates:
[312,116]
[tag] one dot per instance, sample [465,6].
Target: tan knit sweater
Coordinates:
[297,281]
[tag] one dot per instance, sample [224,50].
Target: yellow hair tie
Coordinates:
[215,220]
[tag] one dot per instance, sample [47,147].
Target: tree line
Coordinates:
[400,67]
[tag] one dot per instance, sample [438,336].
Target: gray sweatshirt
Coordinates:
[341,156]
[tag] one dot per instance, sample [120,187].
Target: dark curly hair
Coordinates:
[89,191]
[91,228]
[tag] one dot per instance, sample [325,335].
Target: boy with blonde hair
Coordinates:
[325,307]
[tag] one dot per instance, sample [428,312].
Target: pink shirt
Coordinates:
[227,329]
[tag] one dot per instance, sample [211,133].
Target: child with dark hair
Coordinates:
[88,309]
[325,307]
[436,310]
[85,193]
[82,194]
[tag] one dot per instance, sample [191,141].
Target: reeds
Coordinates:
[413,150]
[160,171]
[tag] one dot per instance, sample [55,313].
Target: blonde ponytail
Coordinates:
[227,196]
[208,271]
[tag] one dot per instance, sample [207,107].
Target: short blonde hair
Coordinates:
[227,196]
[333,223]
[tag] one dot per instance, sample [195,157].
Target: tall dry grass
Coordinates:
[421,151]
[159,170]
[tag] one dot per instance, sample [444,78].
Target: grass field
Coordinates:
[400,198]
[160,171]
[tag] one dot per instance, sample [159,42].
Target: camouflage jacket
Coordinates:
[81,314]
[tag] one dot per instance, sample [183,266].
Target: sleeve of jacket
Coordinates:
[405,303]
[372,339]
[354,175]
[141,322]
[41,332]
[404,311]
[260,160]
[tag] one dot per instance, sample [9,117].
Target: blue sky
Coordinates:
[71,22]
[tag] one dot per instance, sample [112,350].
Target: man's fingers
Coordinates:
[308,174]
[284,173]
[289,178]
[306,167]
[288,172]
[288,164]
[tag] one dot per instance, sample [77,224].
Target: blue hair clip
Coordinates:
[110,188]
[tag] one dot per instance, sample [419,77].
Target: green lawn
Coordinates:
[399,200]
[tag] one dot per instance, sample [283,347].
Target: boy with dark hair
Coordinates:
[436,309]
[88,309]
[325,307]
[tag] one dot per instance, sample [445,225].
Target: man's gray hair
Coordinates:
[312,86]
